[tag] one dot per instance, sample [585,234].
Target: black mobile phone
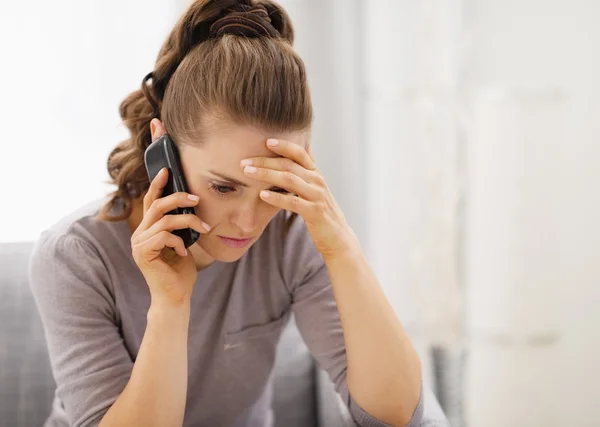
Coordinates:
[163,153]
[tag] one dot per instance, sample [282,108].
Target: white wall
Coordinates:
[66,65]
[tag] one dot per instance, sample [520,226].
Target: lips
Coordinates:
[233,242]
[236,238]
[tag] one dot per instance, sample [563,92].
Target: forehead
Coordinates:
[231,144]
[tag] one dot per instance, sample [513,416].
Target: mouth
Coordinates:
[233,242]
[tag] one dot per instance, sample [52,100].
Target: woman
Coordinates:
[144,332]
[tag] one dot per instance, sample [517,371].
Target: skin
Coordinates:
[384,370]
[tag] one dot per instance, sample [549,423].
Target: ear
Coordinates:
[157,129]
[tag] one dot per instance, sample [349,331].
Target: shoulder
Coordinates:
[82,223]
[72,273]
[79,240]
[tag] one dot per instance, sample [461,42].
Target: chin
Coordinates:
[231,255]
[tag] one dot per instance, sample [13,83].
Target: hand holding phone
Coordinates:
[168,226]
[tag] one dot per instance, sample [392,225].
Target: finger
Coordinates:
[292,151]
[288,202]
[156,188]
[284,164]
[175,222]
[160,207]
[150,249]
[309,151]
[286,180]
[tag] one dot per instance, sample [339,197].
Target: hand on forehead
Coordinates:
[222,151]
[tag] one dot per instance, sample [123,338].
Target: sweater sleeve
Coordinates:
[317,318]
[90,364]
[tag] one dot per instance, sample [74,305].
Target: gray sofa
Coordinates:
[303,395]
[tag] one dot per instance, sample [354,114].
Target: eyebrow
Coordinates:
[230,180]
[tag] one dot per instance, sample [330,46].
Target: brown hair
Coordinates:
[224,60]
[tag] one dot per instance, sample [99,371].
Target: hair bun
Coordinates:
[246,21]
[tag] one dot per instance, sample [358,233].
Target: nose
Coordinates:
[245,218]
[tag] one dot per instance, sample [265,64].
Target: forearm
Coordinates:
[156,392]
[384,370]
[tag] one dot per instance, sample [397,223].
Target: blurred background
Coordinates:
[459,137]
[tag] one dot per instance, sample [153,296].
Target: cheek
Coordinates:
[210,212]
[208,209]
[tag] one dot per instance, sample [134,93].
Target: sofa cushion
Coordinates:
[294,402]
[27,386]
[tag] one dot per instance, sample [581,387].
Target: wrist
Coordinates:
[161,307]
[348,253]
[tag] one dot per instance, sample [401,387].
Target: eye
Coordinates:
[221,190]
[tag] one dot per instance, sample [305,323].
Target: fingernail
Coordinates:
[272,142]
[246,162]
[193,197]
[205,225]
[249,169]
[264,194]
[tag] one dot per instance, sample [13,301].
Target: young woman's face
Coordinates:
[229,199]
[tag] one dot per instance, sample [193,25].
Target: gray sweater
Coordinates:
[93,302]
